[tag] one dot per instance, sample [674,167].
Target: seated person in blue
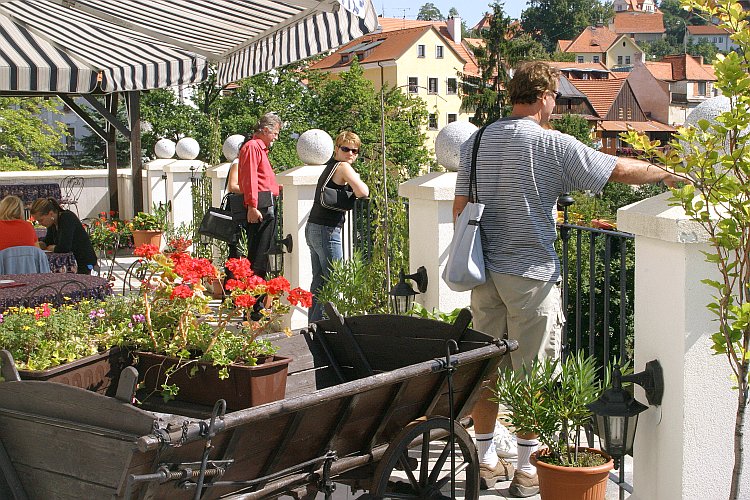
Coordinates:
[65,233]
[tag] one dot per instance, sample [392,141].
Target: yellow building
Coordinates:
[599,44]
[423,58]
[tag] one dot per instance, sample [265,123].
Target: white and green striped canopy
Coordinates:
[78,46]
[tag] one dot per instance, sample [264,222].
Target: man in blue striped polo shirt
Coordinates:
[522,168]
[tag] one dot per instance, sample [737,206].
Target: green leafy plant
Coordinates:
[154,221]
[45,336]
[107,232]
[349,287]
[420,311]
[549,399]
[714,155]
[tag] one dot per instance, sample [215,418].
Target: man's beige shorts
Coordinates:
[522,309]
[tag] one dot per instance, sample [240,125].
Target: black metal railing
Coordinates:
[597,291]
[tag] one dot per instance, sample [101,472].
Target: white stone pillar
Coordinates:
[430,232]
[154,183]
[684,448]
[299,189]
[179,191]
[218,176]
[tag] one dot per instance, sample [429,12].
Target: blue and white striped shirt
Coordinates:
[522,168]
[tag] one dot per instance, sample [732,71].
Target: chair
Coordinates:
[23,260]
[71,187]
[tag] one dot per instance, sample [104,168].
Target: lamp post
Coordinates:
[402,294]
[616,412]
[276,255]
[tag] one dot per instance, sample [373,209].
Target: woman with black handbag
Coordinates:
[338,186]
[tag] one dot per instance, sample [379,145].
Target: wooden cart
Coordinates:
[369,405]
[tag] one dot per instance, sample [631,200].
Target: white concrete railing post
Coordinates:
[685,448]
[154,183]
[430,232]
[179,189]
[299,188]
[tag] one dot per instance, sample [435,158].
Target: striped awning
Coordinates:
[71,46]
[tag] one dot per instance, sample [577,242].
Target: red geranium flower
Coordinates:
[245,301]
[277,285]
[181,291]
[240,268]
[301,297]
[146,250]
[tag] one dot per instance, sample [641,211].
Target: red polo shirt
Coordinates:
[255,172]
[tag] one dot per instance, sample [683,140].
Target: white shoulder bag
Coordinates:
[465,267]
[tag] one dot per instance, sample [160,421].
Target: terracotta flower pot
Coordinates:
[572,483]
[144,237]
[246,386]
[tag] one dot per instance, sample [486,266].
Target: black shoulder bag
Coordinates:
[219,224]
[339,199]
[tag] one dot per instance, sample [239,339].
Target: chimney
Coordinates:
[454,28]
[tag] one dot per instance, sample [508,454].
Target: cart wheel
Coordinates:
[410,468]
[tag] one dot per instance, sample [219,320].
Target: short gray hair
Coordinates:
[267,121]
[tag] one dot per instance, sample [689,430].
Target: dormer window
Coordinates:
[344,58]
[420,51]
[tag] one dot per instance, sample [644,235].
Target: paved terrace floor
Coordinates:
[500,491]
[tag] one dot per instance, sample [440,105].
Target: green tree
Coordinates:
[574,125]
[94,151]
[676,19]
[714,155]
[552,20]
[504,47]
[659,48]
[703,48]
[24,134]
[428,12]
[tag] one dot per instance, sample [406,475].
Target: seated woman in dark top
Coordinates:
[65,233]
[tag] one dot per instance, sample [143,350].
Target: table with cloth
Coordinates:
[30,192]
[33,289]
[62,262]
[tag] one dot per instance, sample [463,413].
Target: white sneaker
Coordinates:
[505,442]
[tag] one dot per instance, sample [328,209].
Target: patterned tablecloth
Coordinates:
[33,289]
[62,262]
[30,192]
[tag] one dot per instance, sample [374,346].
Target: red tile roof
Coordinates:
[590,66]
[562,45]
[639,22]
[601,93]
[593,39]
[624,126]
[686,67]
[660,70]
[709,29]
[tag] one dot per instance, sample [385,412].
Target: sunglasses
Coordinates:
[349,150]
[558,94]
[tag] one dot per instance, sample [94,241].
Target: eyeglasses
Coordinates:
[349,150]
[558,94]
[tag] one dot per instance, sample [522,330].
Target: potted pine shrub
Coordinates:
[549,399]
[188,351]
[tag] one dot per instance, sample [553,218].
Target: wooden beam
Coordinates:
[108,115]
[136,162]
[83,115]
[114,203]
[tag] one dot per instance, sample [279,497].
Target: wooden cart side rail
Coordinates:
[286,406]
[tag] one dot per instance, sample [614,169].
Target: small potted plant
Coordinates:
[147,228]
[549,399]
[108,233]
[188,351]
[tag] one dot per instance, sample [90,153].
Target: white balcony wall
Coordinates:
[684,449]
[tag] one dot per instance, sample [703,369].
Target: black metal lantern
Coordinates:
[276,255]
[402,294]
[616,411]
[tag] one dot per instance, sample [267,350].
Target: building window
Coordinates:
[721,39]
[413,85]
[420,50]
[344,58]
[432,122]
[360,56]
[619,60]
[627,60]
[452,86]
[452,117]
[630,114]
[439,51]
[620,114]
[432,85]
[580,59]
[715,39]
[596,59]
[702,88]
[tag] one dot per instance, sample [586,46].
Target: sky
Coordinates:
[470,11]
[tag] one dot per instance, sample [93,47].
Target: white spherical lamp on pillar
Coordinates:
[231,147]
[314,147]
[164,149]
[448,143]
[187,148]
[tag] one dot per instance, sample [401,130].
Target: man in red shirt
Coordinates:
[258,183]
